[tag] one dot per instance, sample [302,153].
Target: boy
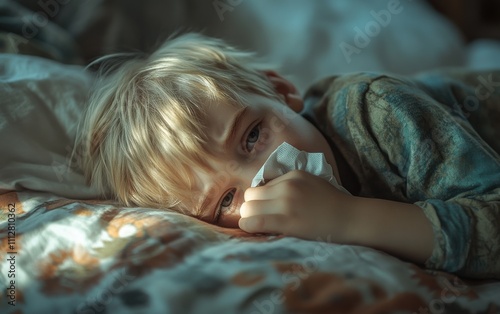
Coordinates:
[190,125]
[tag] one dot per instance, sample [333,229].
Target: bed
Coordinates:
[64,250]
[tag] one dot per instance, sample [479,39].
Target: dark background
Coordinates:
[475,18]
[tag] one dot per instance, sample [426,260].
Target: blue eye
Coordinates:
[253,137]
[226,202]
[228,199]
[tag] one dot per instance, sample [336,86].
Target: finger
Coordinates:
[275,188]
[257,193]
[260,207]
[263,223]
[265,192]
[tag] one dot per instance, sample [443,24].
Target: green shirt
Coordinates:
[432,140]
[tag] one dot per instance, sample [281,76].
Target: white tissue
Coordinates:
[287,158]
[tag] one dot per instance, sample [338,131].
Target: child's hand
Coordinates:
[297,204]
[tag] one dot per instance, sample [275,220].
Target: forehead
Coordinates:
[218,117]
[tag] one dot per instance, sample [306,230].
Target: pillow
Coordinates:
[42,101]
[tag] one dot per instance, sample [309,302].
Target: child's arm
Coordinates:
[306,206]
[420,136]
[397,228]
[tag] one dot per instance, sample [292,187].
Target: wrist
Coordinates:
[354,222]
[342,221]
[400,229]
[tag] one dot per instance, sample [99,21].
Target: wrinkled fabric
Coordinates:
[71,256]
[432,140]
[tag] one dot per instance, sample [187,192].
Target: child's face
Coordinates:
[261,127]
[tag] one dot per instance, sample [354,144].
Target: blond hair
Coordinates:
[144,132]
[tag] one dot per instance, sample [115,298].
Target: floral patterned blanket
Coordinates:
[68,256]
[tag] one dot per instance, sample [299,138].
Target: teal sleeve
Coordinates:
[425,130]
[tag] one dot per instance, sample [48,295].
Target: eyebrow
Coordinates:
[233,127]
[227,140]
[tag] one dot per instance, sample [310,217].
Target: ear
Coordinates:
[287,90]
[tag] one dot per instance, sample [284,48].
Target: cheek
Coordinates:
[266,136]
[302,136]
[277,125]
[296,132]
[293,134]
[272,138]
